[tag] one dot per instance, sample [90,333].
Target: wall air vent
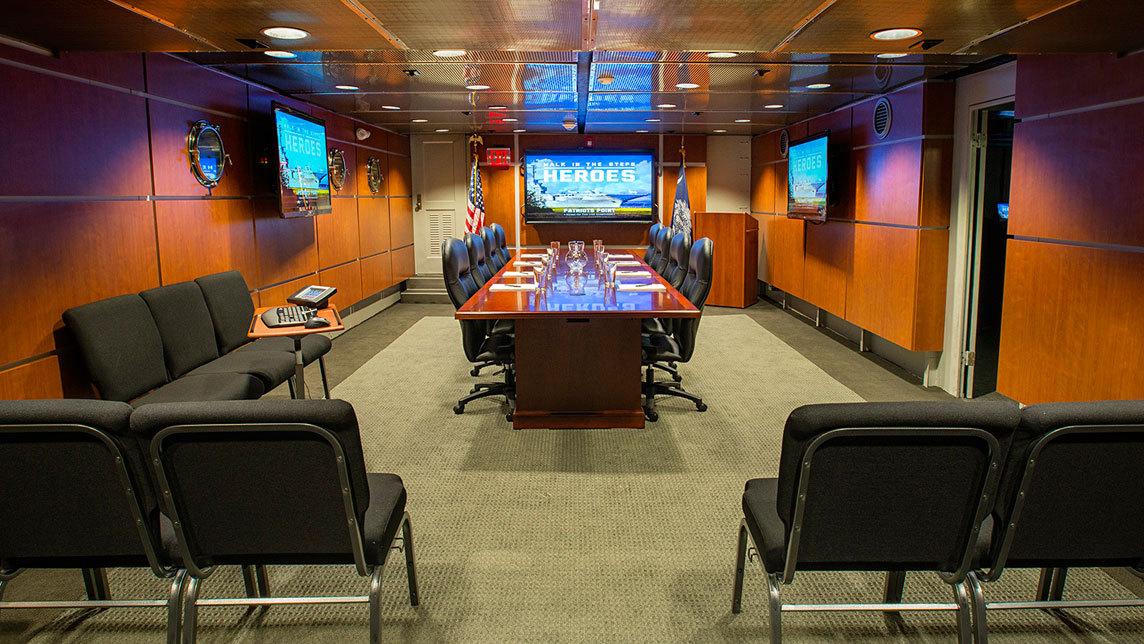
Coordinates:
[784,143]
[883,114]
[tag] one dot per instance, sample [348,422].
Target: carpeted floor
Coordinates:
[599,535]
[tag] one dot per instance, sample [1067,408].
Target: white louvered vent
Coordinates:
[440,225]
[784,143]
[882,117]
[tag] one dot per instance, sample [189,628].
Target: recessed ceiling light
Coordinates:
[818,86]
[519,130]
[687,86]
[651,120]
[641,131]
[897,33]
[278,53]
[285,33]
[419,121]
[773,106]
[718,131]
[442,130]
[742,120]
[721,54]
[476,87]
[665,106]
[889,55]
[390,107]
[348,88]
[449,53]
[509,120]
[498,107]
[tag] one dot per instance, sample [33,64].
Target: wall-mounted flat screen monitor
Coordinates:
[808,178]
[303,168]
[589,185]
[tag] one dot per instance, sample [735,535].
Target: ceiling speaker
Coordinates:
[883,114]
[784,143]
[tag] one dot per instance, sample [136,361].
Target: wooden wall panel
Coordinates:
[1077,177]
[38,379]
[784,247]
[1059,82]
[400,178]
[376,273]
[286,247]
[373,225]
[696,190]
[404,263]
[936,183]
[881,293]
[276,295]
[347,279]
[500,198]
[929,302]
[201,237]
[338,233]
[1057,343]
[173,78]
[170,163]
[361,160]
[114,68]
[827,266]
[60,255]
[400,222]
[887,183]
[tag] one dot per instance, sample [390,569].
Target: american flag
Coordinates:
[475,208]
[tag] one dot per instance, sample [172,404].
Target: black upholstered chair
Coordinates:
[481,347]
[677,259]
[492,249]
[479,266]
[662,250]
[124,354]
[652,232]
[502,243]
[678,345]
[228,300]
[76,493]
[189,344]
[278,482]
[878,487]
[1070,496]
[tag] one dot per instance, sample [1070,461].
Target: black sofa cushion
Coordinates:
[184,324]
[314,346]
[228,299]
[271,367]
[205,387]
[121,346]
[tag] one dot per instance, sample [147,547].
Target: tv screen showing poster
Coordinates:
[807,178]
[303,169]
[587,185]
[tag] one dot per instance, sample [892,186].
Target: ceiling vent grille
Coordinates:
[882,117]
[784,143]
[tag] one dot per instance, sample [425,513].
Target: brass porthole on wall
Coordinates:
[373,174]
[338,169]
[784,143]
[206,152]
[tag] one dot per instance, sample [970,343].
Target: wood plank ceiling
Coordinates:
[791,58]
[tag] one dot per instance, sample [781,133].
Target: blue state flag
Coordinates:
[681,209]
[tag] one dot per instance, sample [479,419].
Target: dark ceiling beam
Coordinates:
[374,23]
[977,41]
[166,23]
[802,24]
[583,80]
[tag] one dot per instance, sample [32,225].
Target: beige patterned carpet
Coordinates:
[605,535]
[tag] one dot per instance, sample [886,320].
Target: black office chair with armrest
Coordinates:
[231,308]
[77,494]
[879,487]
[675,274]
[1069,497]
[502,243]
[213,463]
[478,261]
[481,347]
[492,250]
[652,232]
[662,250]
[679,345]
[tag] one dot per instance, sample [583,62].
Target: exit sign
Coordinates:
[498,157]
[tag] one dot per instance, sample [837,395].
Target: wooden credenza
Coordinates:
[736,276]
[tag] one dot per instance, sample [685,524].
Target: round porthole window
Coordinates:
[206,153]
[373,174]
[784,143]
[338,170]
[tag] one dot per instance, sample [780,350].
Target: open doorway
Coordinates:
[989,223]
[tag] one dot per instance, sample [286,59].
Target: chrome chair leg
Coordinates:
[263,581]
[977,594]
[1057,588]
[325,381]
[293,390]
[375,605]
[95,584]
[894,589]
[964,617]
[175,606]
[249,581]
[740,567]
[775,603]
[1044,583]
[190,608]
[410,563]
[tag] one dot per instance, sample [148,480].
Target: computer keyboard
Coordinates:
[287,316]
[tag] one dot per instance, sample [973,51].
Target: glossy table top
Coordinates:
[259,330]
[555,298]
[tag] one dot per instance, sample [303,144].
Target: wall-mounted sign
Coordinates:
[338,169]
[206,153]
[373,174]
[498,157]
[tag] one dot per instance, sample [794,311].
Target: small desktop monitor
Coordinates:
[303,168]
[808,178]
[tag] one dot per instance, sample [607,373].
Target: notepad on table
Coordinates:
[641,287]
[628,263]
[527,264]
[500,286]
[633,273]
[517,274]
[533,255]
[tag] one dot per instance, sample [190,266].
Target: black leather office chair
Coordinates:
[278,482]
[675,274]
[502,242]
[492,249]
[478,261]
[877,486]
[679,345]
[662,250]
[1070,496]
[651,235]
[482,348]
[77,494]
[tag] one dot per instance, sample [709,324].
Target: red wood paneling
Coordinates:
[286,247]
[400,222]
[347,279]
[173,78]
[338,233]
[1054,83]
[826,269]
[170,162]
[206,236]
[887,183]
[400,180]
[376,273]
[404,263]
[881,293]
[373,225]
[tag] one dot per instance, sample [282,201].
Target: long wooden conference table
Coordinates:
[577,355]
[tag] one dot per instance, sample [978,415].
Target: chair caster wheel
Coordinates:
[458,409]
[701,406]
[677,378]
[508,417]
[474,372]
[653,416]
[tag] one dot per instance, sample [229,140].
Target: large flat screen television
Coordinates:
[808,178]
[303,168]
[589,185]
